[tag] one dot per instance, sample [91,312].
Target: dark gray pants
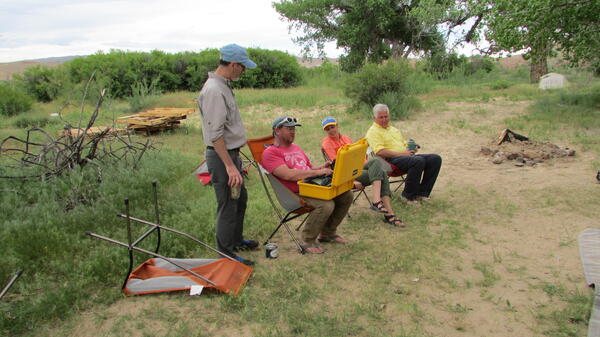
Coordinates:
[230,212]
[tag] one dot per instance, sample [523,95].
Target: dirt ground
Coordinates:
[529,242]
[536,244]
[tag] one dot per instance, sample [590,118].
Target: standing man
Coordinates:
[387,142]
[289,164]
[224,135]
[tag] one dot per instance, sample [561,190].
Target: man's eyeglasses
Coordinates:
[286,120]
[241,65]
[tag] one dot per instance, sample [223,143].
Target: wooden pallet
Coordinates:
[94,130]
[156,119]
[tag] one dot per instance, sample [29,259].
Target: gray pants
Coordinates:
[230,212]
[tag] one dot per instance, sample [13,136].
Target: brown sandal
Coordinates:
[392,220]
[378,207]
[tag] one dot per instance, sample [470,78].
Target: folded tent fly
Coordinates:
[163,274]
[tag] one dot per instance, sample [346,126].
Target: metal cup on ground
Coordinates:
[271,251]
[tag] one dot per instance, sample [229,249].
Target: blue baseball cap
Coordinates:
[234,53]
[285,121]
[327,121]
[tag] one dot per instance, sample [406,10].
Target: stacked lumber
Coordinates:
[157,119]
[92,131]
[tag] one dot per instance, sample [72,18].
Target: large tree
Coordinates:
[367,30]
[536,27]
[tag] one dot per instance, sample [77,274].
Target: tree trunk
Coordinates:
[539,67]
[539,62]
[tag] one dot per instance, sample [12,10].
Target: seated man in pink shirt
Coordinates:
[289,164]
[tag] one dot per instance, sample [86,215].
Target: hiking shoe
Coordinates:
[244,261]
[247,245]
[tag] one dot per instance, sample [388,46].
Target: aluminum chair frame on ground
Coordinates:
[293,206]
[231,274]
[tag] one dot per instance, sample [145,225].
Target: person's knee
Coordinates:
[348,197]
[325,208]
[436,159]
[418,162]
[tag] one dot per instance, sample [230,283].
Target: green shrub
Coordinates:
[326,75]
[13,101]
[274,69]
[479,64]
[26,121]
[500,84]
[369,85]
[400,105]
[143,95]
[44,83]
[441,64]
[121,70]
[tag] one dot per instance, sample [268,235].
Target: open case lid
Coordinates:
[349,162]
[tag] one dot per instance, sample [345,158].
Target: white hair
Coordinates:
[380,107]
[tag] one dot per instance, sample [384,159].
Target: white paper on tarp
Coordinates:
[196,290]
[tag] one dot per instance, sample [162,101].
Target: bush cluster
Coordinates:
[387,83]
[27,121]
[121,71]
[13,101]
[443,64]
[43,83]
[275,69]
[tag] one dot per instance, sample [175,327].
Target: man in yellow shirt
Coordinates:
[387,142]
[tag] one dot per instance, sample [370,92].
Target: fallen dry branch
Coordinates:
[74,148]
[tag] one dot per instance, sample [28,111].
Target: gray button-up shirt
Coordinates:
[220,114]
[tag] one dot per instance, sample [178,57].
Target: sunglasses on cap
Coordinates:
[286,120]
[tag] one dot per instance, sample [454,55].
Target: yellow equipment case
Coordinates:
[349,165]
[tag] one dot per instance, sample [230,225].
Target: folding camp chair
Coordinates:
[292,204]
[394,173]
[201,172]
[162,274]
[357,192]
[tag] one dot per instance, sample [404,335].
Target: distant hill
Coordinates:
[58,59]
[10,68]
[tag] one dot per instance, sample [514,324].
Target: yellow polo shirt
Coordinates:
[390,138]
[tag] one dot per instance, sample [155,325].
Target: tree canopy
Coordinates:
[374,30]
[536,27]
[368,30]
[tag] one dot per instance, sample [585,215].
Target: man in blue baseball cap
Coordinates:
[223,132]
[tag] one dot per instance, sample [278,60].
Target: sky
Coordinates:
[33,29]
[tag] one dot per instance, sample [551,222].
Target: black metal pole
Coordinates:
[129,245]
[154,182]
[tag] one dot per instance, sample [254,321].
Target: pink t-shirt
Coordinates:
[293,157]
